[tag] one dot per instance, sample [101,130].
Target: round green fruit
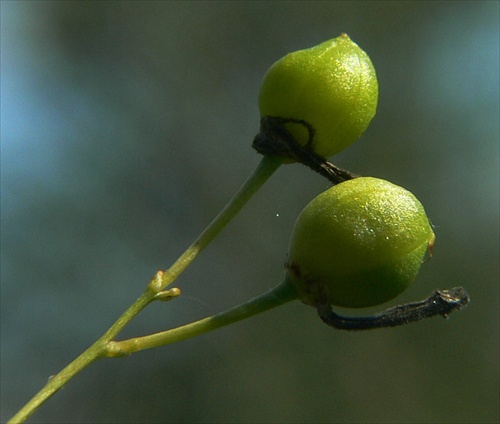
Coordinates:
[358,244]
[332,86]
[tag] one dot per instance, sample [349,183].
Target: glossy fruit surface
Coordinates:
[332,86]
[361,242]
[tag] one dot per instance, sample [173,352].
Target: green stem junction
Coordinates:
[105,347]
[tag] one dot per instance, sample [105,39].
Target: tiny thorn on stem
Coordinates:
[166,295]
[441,302]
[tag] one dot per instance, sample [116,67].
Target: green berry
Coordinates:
[360,244]
[332,86]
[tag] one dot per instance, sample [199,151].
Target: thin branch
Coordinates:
[275,297]
[264,170]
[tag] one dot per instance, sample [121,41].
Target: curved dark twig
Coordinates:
[275,140]
[441,302]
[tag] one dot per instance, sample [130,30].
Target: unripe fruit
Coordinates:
[360,244]
[332,86]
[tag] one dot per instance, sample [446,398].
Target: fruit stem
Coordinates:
[264,170]
[104,346]
[277,296]
[274,140]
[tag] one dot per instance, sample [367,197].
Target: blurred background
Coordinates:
[127,126]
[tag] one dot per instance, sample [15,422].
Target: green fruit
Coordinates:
[332,86]
[360,244]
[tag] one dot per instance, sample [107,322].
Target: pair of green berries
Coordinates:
[361,242]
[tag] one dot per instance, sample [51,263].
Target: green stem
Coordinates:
[58,381]
[104,347]
[95,351]
[275,297]
[266,168]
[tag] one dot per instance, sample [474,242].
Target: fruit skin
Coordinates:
[360,244]
[332,86]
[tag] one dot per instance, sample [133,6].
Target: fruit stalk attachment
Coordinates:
[274,140]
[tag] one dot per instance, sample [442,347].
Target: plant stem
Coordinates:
[56,382]
[95,351]
[104,347]
[264,170]
[277,296]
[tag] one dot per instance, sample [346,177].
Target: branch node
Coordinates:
[156,283]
